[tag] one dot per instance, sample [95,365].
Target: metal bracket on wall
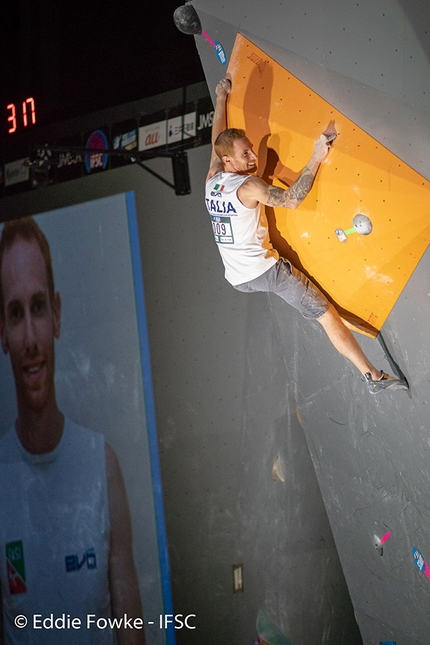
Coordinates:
[41,161]
[181,175]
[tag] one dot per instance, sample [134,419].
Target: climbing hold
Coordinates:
[269,633]
[361,225]
[378,542]
[378,545]
[187,20]
[278,469]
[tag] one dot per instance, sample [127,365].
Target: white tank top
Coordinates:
[241,233]
[54,537]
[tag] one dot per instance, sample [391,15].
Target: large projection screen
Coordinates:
[103,383]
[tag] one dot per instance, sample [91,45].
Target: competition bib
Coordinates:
[221,227]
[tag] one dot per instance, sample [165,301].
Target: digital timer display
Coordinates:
[21,115]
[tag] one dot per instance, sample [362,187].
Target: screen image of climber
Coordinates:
[82,529]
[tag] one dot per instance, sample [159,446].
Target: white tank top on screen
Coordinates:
[54,537]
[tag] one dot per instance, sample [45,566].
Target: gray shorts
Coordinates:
[292,285]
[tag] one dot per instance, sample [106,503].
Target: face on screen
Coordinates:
[30,322]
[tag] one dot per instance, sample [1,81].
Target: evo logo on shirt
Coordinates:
[74,563]
[15,567]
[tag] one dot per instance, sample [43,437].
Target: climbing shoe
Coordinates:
[386,382]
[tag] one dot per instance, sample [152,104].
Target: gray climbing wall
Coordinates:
[370,60]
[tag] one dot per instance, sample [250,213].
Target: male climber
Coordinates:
[234,195]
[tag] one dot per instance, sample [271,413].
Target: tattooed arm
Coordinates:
[256,190]
[295,194]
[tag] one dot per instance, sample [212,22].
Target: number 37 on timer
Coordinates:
[25,115]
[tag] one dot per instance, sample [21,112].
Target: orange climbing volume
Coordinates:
[364,275]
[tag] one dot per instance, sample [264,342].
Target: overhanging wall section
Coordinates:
[370,454]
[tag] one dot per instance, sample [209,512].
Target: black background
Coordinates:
[76,57]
